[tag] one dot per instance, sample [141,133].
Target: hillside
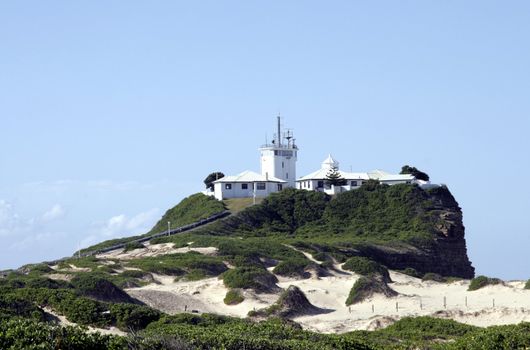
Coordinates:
[278,275]
[400,226]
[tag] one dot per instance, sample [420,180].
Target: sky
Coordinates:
[111,112]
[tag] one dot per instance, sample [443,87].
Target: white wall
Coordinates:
[221,192]
[280,166]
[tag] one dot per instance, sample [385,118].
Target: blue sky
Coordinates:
[113,111]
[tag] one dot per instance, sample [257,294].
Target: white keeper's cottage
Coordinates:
[278,171]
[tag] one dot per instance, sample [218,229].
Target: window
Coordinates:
[275,153]
[354,183]
[283,165]
[408,182]
[320,184]
[260,186]
[280,187]
[286,175]
[244,186]
[228,186]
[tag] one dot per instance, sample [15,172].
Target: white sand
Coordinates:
[154,250]
[64,322]
[512,302]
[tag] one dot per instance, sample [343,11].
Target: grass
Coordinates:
[235,205]
[132,246]
[482,281]
[189,210]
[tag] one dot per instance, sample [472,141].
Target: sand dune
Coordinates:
[512,302]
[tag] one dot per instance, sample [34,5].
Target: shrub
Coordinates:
[366,267]
[27,334]
[132,246]
[430,276]
[233,297]
[527,285]
[411,272]
[482,281]
[250,277]
[365,287]
[97,287]
[291,268]
[133,317]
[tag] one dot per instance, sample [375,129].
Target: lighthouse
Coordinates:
[278,158]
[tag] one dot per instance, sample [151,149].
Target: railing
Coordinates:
[160,234]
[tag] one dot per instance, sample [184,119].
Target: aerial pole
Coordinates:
[279,135]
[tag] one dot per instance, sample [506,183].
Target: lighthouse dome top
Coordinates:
[330,163]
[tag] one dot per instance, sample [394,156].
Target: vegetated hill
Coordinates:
[187,211]
[400,226]
[190,209]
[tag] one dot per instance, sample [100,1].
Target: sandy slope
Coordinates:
[512,302]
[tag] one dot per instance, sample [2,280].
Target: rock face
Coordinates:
[447,256]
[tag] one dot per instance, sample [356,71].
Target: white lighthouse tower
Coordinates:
[278,159]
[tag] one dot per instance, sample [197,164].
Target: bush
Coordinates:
[132,246]
[27,334]
[527,285]
[411,272]
[291,268]
[482,281]
[433,277]
[233,297]
[366,267]
[365,287]
[97,287]
[133,317]
[250,277]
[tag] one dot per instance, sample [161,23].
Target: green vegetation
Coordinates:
[334,178]
[31,335]
[132,246]
[433,277]
[97,287]
[189,210]
[366,267]
[365,287]
[208,181]
[527,284]
[233,297]
[250,277]
[411,272]
[292,268]
[482,281]
[235,205]
[420,175]
[191,264]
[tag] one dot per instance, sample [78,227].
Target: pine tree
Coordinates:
[334,178]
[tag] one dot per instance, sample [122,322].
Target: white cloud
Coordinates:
[122,226]
[8,218]
[56,212]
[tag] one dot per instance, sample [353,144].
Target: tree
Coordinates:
[211,178]
[333,177]
[420,175]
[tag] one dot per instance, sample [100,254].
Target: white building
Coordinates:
[246,184]
[316,181]
[278,170]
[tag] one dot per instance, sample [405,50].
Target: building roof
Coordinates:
[329,163]
[249,176]
[384,176]
[321,174]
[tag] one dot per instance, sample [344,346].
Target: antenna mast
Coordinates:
[279,134]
